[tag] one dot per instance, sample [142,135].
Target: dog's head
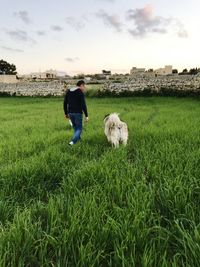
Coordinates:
[113,118]
[112,121]
[106,117]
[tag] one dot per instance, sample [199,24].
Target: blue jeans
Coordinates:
[77,122]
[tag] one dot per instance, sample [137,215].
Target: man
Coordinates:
[74,106]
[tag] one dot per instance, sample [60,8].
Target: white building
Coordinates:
[167,70]
[87,79]
[49,74]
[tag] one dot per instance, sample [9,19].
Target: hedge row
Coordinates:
[146,92]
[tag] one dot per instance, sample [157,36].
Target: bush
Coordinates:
[5,94]
[146,92]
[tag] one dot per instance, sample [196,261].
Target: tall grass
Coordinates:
[91,205]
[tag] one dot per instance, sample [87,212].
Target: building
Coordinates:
[49,74]
[5,78]
[167,70]
[137,71]
[88,79]
[106,74]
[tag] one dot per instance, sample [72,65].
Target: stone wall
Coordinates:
[138,84]
[156,84]
[54,88]
[8,79]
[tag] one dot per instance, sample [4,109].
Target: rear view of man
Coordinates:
[74,106]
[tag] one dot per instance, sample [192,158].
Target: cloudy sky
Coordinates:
[91,35]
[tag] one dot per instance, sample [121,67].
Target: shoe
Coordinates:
[71,143]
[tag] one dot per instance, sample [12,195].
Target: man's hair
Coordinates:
[81,82]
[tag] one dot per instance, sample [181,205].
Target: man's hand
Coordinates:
[86,119]
[66,116]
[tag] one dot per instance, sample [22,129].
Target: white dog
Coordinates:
[115,130]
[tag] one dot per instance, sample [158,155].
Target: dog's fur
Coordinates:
[115,130]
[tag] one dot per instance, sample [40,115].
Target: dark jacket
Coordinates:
[74,102]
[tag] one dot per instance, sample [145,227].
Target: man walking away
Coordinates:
[74,106]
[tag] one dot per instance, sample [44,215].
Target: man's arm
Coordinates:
[65,104]
[83,105]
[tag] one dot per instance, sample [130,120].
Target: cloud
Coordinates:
[23,15]
[146,22]
[41,33]
[56,28]
[179,28]
[12,49]
[110,20]
[71,59]
[19,35]
[77,24]
[111,1]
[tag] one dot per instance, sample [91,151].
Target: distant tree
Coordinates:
[150,70]
[106,72]
[7,68]
[193,71]
[184,72]
[174,71]
[79,76]
[99,77]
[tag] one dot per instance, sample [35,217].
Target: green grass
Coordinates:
[91,205]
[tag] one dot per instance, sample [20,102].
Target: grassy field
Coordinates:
[91,205]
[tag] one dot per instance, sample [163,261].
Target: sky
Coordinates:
[91,35]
